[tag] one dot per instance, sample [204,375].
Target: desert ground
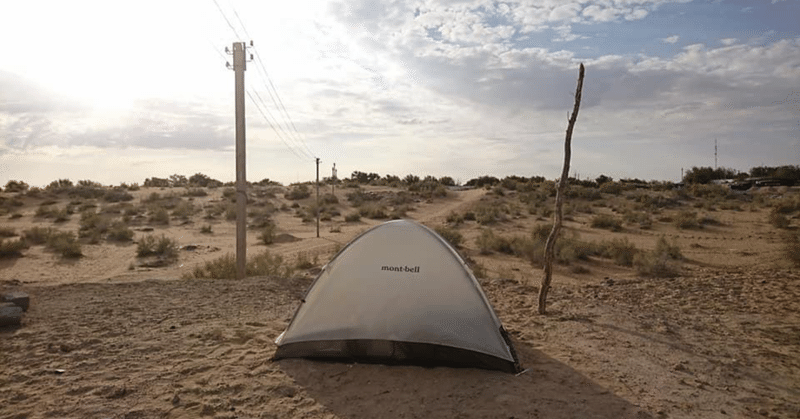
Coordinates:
[666,303]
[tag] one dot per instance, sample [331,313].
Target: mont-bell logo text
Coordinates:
[409,269]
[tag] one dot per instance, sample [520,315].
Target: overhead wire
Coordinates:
[298,137]
[294,147]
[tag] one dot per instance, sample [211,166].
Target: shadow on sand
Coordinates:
[548,389]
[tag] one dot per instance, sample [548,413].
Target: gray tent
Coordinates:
[398,293]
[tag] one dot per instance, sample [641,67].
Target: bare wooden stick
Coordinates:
[562,184]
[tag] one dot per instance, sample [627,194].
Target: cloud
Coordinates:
[670,39]
[728,41]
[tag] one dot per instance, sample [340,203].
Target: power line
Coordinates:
[258,107]
[228,21]
[263,103]
[280,104]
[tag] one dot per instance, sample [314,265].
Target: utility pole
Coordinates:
[333,180]
[317,196]
[239,66]
[715,154]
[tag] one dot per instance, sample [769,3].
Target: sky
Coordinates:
[125,90]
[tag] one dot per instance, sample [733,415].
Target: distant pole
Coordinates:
[715,154]
[333,179]
[317,196]
[239,66]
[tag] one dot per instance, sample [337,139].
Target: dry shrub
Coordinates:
[304,262]
[159,216]
[120,232]
[206,229]
[656,266]
[37,235]
[606,221]
[451,235]
[778,220]
[267,235]
[792,248]
[621,251]
[7,232]
[672,250]
[163,247]
[65,243]
[686,220]
[352,217]
[373,210]
[224,267]
[12,248]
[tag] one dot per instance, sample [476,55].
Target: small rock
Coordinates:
[18,298]
[679,367]
[10,314]
[176,400]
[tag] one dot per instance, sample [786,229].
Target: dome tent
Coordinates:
[398,293]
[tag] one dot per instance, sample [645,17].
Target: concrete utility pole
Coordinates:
[317,196]
[333,180]
[239,66]
[715,154]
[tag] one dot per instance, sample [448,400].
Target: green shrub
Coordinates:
[451,235]
[183,210]
[606,221]
[11,248]
[206,229]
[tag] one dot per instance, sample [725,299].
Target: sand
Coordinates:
[722,340]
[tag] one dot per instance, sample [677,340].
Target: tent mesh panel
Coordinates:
[393,352]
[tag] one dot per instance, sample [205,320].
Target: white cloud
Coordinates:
[728,41]
[670,39]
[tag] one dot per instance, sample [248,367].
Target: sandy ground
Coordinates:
[103,340]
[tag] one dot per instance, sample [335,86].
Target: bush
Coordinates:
[163,247]
[303,261]
[606,221]
[65,243]
[352,217]
[206,229]
[159,216]
[7,232]
[16,186]
[670,250]
[298,192]
[373,210]
[197,192]
[37,235]
[451,235]
[657,266]
[224,267]
[11,248]
[120,232]
[267,235]
[778,220]
[792,248]
[117,195]
[686,220]
[621,251]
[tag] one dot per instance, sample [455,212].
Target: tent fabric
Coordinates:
[398,293]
